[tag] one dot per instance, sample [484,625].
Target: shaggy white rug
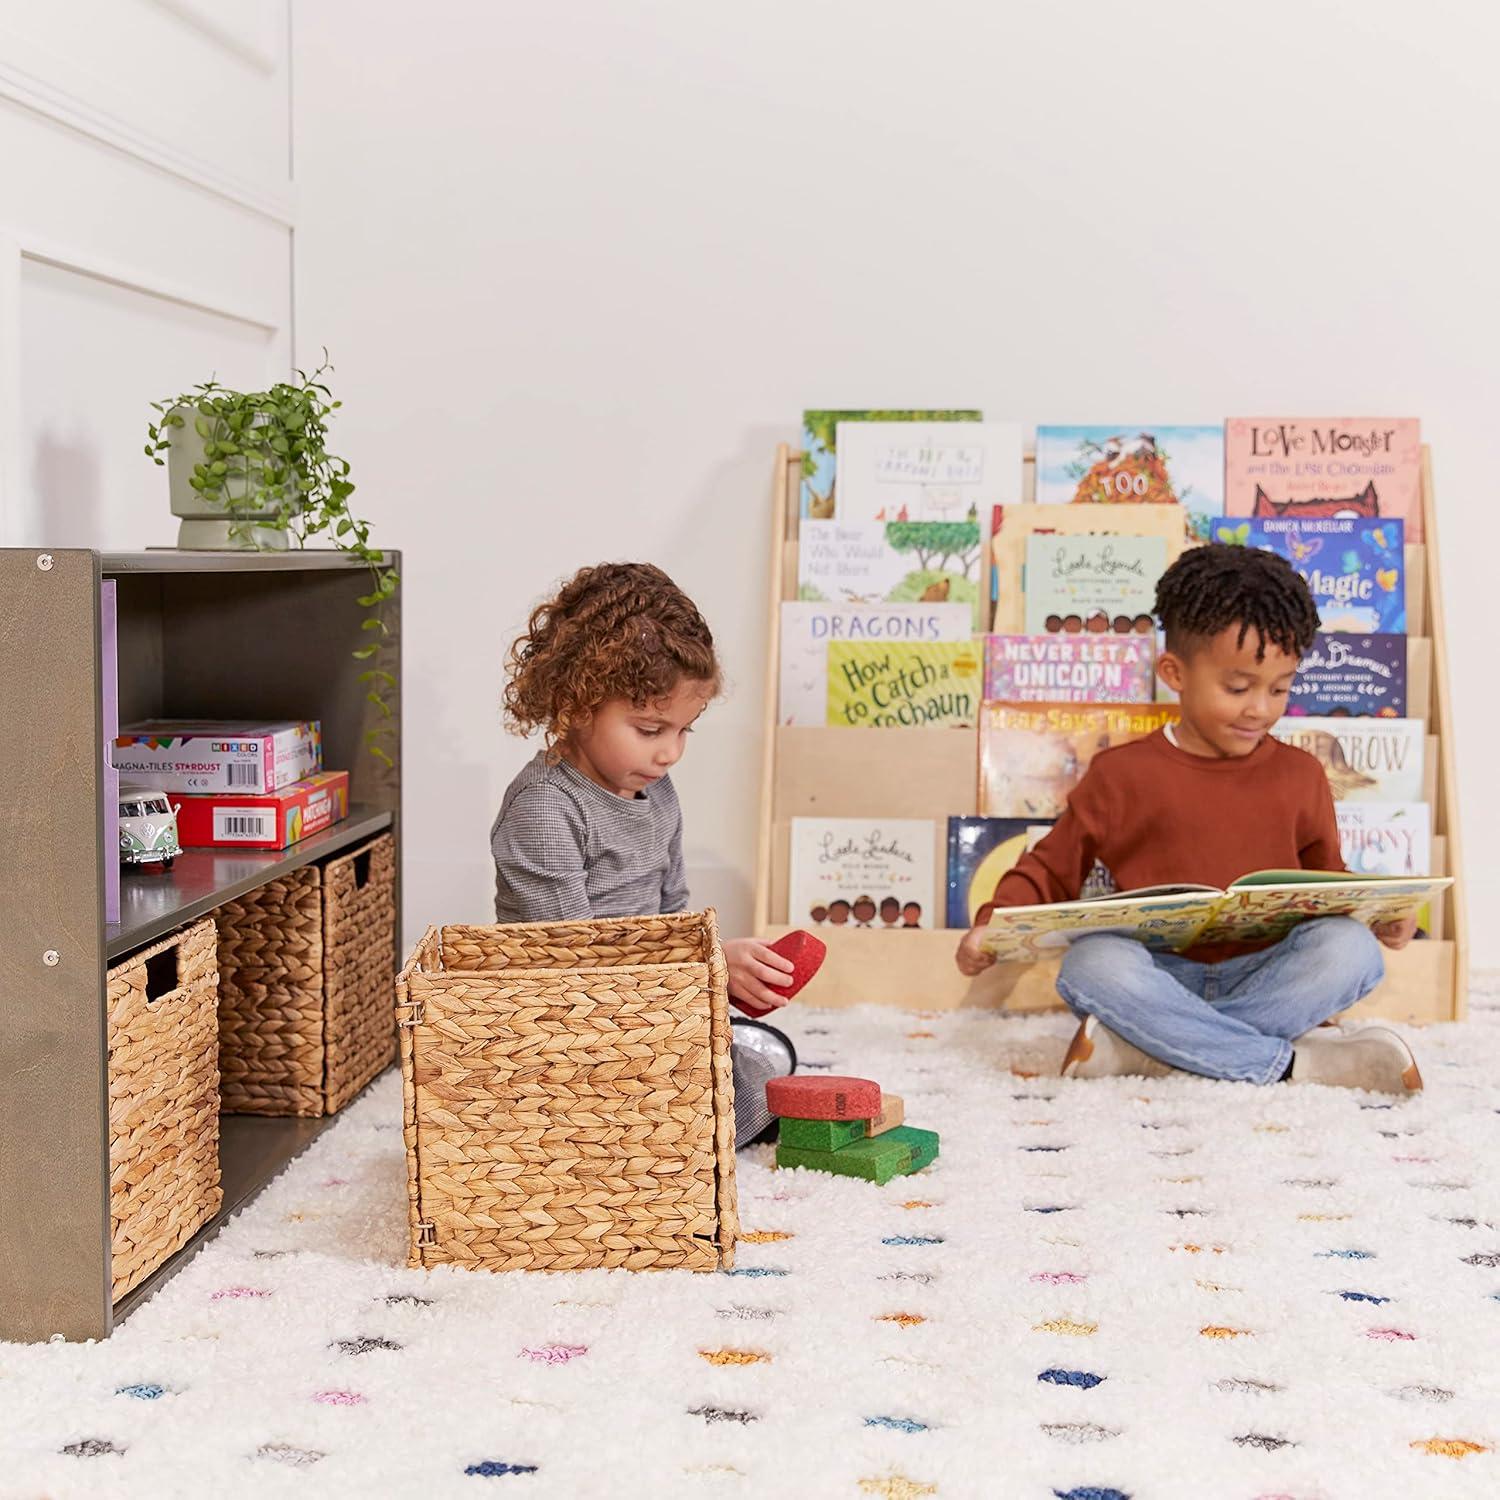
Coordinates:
[1174,1289]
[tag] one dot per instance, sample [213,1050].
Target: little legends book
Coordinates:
[1261,907]
[863,872]
[1354,567]
[808,629]
[1303,468]
[1069,668]
[1031,755]
[1094,584]
[1177,465]
[1360,676]
[907,685]
[819,450]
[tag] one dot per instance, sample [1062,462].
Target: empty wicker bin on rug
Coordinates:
[305,961]
[568,1095]
[163,1102]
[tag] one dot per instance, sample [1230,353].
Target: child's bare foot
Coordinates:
[1373,1058]
[1097,1052]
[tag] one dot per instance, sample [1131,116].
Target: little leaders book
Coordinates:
[863,872]
[1264,906]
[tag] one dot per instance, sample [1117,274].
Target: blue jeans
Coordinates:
[1234,1019]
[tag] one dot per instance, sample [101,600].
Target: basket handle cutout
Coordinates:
[161,974]
[362,869]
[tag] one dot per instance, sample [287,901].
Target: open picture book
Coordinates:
[1263,906]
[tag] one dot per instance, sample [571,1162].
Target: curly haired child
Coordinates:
[1207,801]
[615,670]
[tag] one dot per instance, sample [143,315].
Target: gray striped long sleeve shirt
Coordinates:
[566,849]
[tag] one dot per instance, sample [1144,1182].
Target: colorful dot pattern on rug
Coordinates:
[1124,1290]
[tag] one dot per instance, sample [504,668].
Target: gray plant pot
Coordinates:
[208,525]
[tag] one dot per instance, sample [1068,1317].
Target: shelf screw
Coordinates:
[52,958]
[44,562]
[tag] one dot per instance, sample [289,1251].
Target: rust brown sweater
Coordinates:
[1155,815]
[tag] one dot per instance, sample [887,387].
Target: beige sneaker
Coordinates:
[1373,1058]
[1097,1052]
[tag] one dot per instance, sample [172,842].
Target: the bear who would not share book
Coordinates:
[1261,907]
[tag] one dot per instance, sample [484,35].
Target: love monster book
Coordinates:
[1069,668]
[1153,465]
[1261,907]
[1355,567]
[1356,676]
[1031,755]
[911,685]
[1303,468]
[862,872]
[807,629]
[927,471]
[1366,760]
[1092,584]
[819,450]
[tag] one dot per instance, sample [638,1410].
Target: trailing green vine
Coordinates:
[266,464]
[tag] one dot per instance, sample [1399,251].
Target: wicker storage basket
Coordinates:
[305,1016]
[163,1102]
[568,1094]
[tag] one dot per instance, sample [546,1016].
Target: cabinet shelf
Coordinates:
[154,902]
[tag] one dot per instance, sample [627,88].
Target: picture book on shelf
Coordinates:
[1352,675]
[980,851]
[926,471]
[1386,838]
[807,629]
[1093,584]
[904,685]
[1366,760]
[897,562]
[1031,755]
[1354,567]
[819,450]
[1304,468]
[1013,526]
[1121,464]
[1069,668]
[862,872]
[1264,906]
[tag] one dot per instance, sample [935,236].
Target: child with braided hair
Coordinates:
[615,669]
[1206,801]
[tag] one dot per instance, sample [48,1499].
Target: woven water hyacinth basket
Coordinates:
[163,1101]
[569,1099]
[305,985]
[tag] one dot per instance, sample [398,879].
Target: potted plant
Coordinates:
[251,469]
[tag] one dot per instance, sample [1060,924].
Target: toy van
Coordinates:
[148,827]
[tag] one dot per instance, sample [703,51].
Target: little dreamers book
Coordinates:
[1264,906]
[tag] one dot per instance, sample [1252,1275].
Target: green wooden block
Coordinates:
[876,1160]
[821,1135]
[923,1144]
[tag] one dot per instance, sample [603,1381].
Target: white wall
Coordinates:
[145,245]
[581,267]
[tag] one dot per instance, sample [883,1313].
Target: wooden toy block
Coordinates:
[823,1096]
[875,1161]
[821,1135]
[892,1113]
[806,953]
[922,1143]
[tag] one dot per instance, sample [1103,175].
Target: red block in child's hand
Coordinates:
[806,953]
[823,1096]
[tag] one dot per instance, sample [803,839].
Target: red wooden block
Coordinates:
[806,953]
[823,1096]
